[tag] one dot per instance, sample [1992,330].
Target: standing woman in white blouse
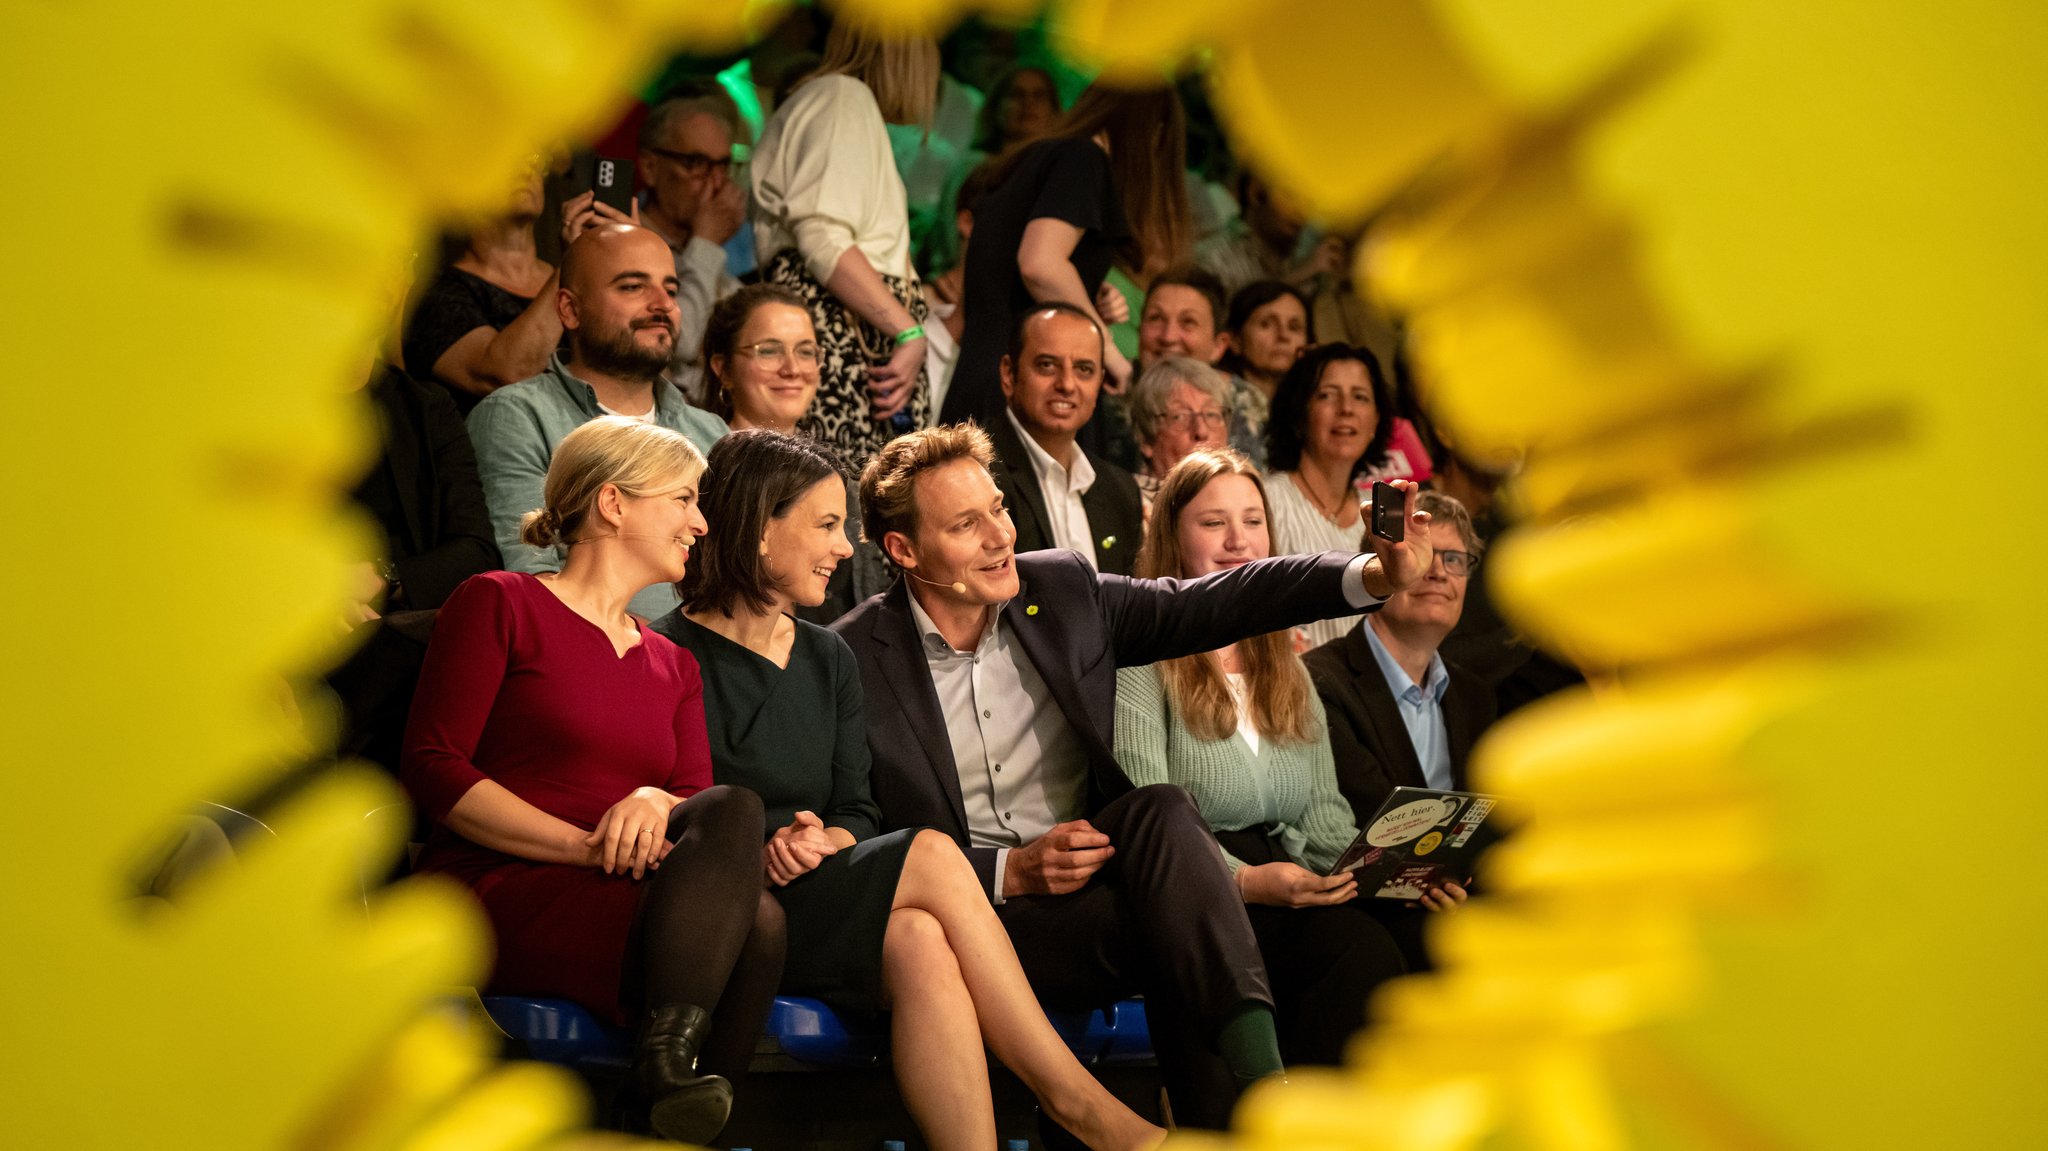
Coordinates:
[833,225]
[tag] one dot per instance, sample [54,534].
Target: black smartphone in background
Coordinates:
[609,176]
[1388,514]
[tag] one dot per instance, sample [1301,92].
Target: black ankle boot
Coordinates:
[684,1106]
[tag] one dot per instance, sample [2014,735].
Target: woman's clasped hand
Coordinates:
[633,835]
[797,849]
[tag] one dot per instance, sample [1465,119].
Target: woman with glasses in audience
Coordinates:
[763,354]
[488,318]
[1177,406]
[1242,729]
[834,226]
[1269,327]
[1328,428]
[898,921]
[558,746]
[1106,185]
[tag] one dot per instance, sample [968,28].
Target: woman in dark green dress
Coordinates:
[894,922]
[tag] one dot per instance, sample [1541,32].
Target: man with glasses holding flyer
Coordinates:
[1399,715]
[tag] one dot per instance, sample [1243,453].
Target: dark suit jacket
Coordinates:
[438,526]
[1371,745]
[1115,512]
[1076,627]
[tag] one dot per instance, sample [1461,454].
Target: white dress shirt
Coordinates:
[1062,487]
[1022,768]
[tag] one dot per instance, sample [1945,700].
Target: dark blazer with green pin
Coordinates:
[1116,513]
[1076,627]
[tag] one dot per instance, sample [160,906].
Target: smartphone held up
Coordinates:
[1387,513]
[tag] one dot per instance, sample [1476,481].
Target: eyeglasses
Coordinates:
[770,352]
[1180,416]
[694,163]
[1458,563]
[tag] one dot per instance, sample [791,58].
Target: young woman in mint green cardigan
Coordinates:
[1242,730]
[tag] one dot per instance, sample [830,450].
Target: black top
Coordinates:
[795,736]
[1063,179]
[454,305]
[424,491]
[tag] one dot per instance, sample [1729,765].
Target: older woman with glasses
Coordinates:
[1178,405]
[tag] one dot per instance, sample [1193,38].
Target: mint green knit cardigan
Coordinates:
[1154,746]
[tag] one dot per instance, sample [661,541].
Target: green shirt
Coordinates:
[1290,789]
[515,430]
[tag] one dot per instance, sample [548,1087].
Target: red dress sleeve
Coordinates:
[465,665]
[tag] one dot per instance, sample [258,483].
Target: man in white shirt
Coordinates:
[692,201]
[1061,494]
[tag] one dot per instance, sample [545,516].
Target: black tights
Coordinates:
[710,935]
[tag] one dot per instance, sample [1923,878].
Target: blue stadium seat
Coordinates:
[558,1031]
[810,1032]
[1119,1035]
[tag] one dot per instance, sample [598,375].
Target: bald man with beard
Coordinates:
[617,302]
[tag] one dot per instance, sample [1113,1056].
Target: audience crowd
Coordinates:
[941,591]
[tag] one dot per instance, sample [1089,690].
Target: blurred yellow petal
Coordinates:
[1341,102]
[928,17]
[512,1110]
[1138,39]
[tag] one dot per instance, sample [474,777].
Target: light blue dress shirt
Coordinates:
[1422,710]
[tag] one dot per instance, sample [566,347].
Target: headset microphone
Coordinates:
[958,587]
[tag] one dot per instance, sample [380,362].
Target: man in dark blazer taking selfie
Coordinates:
[990,682]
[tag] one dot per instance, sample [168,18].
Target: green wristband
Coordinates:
[908,334]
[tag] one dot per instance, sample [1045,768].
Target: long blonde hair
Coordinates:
[902,71]
[639,459]
[1277,686]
